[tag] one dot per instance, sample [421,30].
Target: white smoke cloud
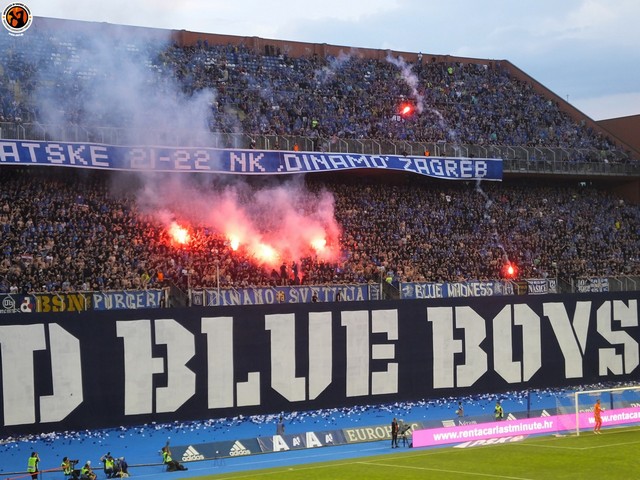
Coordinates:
[125,85]
[333,66]
[410,78]
[110,79]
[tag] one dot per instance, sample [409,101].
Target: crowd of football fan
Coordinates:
[350,97]
[51,78]
[63,232]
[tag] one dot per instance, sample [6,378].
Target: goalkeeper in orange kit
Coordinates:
[597,415]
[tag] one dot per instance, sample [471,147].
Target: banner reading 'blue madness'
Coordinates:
[242,162]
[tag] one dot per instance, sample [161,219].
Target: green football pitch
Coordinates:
[611,455]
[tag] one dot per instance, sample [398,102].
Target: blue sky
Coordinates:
[586,51]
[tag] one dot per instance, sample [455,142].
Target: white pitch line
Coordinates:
[280,469]
[559,447]
[611,445]
[553,447]
[562,447]
[457,472]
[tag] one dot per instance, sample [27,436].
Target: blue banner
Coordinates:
[414,290]
[128,299]
[274,295]
[242,162]
[300,441]
[375,433]
[253,446]
[213,450]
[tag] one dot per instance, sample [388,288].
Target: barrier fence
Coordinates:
[214,297]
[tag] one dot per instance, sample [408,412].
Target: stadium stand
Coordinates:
[68,232]
[566,209]
[64,232]
[53,78]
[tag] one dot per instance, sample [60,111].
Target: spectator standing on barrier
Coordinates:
[394,433]
[32,464]
[597,416]
[498,411]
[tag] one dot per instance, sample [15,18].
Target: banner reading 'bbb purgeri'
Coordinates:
[195,363]
[239,162]
[82,301]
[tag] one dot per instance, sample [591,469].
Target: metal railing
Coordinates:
[625,283]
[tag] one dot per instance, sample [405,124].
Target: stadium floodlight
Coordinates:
[620,406]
